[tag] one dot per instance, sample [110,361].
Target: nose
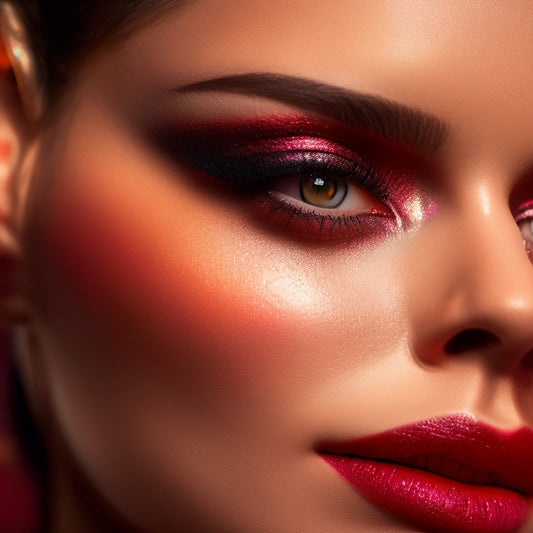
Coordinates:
[473,291]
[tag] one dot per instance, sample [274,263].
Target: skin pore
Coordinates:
[195,337]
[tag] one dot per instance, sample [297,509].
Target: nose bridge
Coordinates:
[484,286]
[496,287]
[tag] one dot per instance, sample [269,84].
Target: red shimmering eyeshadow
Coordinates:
[252,151]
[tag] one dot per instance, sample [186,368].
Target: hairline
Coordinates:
[127,18]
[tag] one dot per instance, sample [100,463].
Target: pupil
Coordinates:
[319,189]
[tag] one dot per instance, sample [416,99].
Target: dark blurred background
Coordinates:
[18,494]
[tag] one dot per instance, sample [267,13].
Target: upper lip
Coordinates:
[455,446]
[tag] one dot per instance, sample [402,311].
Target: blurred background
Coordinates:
[18,492]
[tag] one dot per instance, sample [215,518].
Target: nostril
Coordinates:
[527,361]
[526,369]
[471,339]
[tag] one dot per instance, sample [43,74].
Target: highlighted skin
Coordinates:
[203,317]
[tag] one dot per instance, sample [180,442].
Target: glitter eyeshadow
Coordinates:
[255,152]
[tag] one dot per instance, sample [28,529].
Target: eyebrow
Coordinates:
[370,113]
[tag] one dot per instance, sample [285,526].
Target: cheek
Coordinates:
[170,321]
[149,270]
[146,269]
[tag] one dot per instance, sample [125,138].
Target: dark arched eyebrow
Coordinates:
[370,113]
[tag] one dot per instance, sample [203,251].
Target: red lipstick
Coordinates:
[450,474]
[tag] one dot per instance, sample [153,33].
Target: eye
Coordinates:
[297,180]
[524,220]
[319,190]
[526,229]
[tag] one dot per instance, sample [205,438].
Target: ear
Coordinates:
[20,108]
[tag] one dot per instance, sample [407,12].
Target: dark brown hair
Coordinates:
[65,33]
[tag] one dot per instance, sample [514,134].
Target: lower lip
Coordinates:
[432,501]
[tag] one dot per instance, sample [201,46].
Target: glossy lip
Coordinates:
[450,474]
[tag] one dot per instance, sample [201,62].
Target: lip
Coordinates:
[450,474]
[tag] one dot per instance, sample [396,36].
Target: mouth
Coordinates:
[450,474]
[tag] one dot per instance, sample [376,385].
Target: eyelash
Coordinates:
[255,158]
[295,216]
[312,223]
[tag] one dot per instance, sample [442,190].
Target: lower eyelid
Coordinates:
[374,210]
[303,221]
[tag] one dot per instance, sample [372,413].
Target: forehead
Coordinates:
[344,37]
[467,63]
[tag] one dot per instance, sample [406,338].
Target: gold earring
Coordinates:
[17,47]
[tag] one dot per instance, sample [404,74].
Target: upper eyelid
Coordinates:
[249,134]
[263,166]
[235,151]
[295,143]
[246,151]
[237,145]
[274,129]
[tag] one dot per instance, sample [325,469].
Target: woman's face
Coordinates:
[232,276]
